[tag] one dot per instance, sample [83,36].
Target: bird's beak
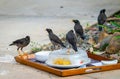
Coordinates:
[45,29]
[73,20]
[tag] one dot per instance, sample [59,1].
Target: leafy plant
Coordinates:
[110,30]
[117,37]
[35,47]
[116,30]
[103,26]
[114,23]
[117,25]
[117,15]
[104,47]
[106,28]
[34,44]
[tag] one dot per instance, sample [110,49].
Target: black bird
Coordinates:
[101,18]
[70,37]
[78,29]
[54,38]
[20,43]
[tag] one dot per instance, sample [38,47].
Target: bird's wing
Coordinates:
[78,29]
[71,38]
[55,38]
[19,41]
[102,18]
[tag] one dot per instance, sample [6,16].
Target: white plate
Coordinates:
[67,66]
[42,56]
[109,62]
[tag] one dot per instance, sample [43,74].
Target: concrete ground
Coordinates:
[15,24]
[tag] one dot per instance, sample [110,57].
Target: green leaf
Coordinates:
[117,37]
[115,24]
[117,16]
[35,49]
[104,46]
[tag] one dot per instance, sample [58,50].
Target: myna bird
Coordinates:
[78,29]
[101,18]
[70,37]
[20,43]
[55,40]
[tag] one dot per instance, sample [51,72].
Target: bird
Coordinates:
[101,18]
[21,43]
[55,40]
[79,29]
[71,38]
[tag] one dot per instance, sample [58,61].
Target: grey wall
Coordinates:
[52,7]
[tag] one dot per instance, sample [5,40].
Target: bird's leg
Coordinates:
[24,53]
[19,51]
[58,46]
[78,40]
[22,50]
[54,46]
[77,37]
[68,51]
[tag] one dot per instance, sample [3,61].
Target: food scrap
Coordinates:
[62,61]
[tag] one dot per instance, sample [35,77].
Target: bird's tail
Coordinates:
[75,47]
[63,45]
[83,37]
[11,44]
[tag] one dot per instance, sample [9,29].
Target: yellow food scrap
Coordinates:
[62,61]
